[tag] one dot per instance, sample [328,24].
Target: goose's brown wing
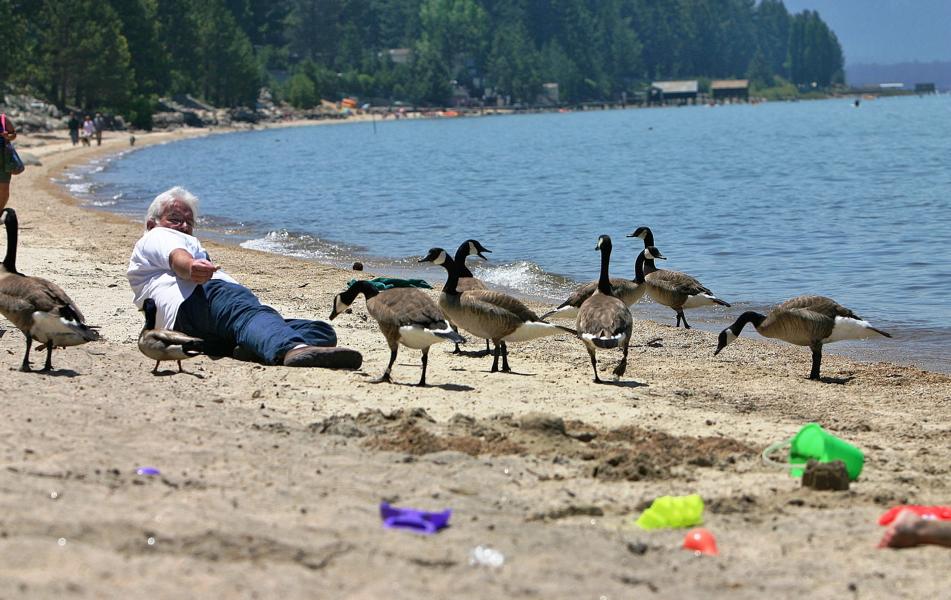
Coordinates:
[819,304]
[604,315]
[676,282]
[466,284]
[797,325]
[504,302]
[405,306]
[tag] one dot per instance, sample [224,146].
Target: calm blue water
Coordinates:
[761,203]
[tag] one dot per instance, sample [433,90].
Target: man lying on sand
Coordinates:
[910,530]
[195,297]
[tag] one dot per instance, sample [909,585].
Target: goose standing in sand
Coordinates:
[405,315]
[672,288]
[626,290]
[165,344]
[486,314]
[604,320]
[468,281]
[804,321]
[38,308]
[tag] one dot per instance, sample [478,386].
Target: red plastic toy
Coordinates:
[941,513]
[701,541]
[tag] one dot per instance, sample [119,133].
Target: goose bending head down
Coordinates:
[487,314]
[405,316]
[804,321]
[165,344]
[672,288]
[604,320]
[38,308]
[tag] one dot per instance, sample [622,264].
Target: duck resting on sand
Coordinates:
[165,344]
[804,321]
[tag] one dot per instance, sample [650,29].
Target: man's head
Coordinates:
[175,209]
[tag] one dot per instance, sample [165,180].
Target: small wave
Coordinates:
[526,278]
[83,188]
[297,245]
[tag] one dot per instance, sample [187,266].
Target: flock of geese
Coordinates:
[42,311]
[601,310]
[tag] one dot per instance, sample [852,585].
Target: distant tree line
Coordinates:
[123,54]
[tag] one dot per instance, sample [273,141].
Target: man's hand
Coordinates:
[186,266]
[201,270]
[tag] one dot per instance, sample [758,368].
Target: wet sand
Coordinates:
[271,477]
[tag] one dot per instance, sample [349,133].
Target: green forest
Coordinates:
[122,55]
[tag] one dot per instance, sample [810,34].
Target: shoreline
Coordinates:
[271,478]
[919,352]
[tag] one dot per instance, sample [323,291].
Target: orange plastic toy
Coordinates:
[701,541]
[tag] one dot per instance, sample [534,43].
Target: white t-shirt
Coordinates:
[151,275]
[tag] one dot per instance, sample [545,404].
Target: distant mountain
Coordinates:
[909,73]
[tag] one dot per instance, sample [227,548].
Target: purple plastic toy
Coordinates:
[417,521]
[147,471]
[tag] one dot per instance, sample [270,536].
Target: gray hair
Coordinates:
[161,202]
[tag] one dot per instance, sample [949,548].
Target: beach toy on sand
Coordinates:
[414,520]
[701,541]
[815,443]
[147,471]
[672,511]
[940,513]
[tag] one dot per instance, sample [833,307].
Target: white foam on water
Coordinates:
[299,246]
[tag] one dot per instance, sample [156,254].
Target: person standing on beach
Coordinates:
[87,131]
[8,134]
[99,123]
[73,126]
[195,297]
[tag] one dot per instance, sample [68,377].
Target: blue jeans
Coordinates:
[226,315]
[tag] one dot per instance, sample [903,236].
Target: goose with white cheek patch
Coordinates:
[804,321]
[672,288]
[468,281]
[38,308]
[487,314]
[603,319]
[165,344]
[627,291]
[405,315]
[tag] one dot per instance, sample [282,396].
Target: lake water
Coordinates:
[760,202]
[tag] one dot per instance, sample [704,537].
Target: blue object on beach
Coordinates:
[147,471]
[385,283]
[414,520]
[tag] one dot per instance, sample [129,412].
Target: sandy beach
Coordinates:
[271,478]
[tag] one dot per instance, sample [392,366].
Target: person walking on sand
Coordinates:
[87,131]
[73,126]
[8,134]
[194,296]
[99,123]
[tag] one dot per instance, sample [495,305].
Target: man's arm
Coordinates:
[186,266]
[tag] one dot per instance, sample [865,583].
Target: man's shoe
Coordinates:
[324,357]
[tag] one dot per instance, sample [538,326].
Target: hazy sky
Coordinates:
[886,31]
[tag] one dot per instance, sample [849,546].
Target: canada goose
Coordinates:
[672,288]
[604,320]
[38,308]
[804,321]
[627,291]
[468,281]
[487,314]
[405,315]
[165,344]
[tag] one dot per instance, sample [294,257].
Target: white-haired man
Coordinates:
[192,295]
